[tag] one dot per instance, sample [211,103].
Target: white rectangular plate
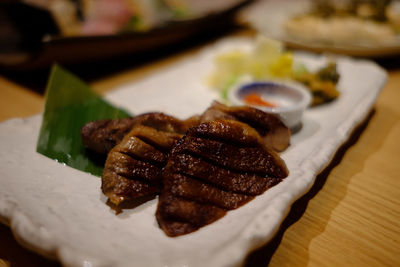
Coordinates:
[58,210]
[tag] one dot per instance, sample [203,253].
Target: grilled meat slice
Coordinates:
[218,166]
[102,135]
[134,165]
[273,131]
[178,211]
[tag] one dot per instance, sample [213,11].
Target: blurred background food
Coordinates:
[36,33]
[76,31]
[367,28]
[347,22]
[100,17]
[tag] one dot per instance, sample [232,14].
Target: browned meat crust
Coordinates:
[175,209]
[221,177]
[218,166]
[102,135]
[274,133]
[133,166]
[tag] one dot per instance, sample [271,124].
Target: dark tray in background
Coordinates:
[24,45]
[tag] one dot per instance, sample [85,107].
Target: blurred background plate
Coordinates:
[269,17]
[30,39]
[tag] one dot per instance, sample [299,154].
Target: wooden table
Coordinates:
[351,217]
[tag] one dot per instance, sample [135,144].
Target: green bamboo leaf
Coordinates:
[70,103]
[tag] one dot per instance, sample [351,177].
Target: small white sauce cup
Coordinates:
[290,98]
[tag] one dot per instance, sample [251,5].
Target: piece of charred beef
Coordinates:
[273,131]
[134,165]
[218,166]
[102,135]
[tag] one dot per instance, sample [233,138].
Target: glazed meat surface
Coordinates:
[273,131]
[134,165]
[218,166]
[102,135]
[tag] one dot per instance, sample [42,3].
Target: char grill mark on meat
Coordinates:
[102,135]
[126,166]
[142,151]
[161,140]
[133,167]
[223,178]
[189,188]
[272,130]
[234,157]
[218,166]
[119,188]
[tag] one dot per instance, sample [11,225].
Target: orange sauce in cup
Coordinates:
[255,99]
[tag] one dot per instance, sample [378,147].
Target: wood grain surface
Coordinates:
[351,216]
